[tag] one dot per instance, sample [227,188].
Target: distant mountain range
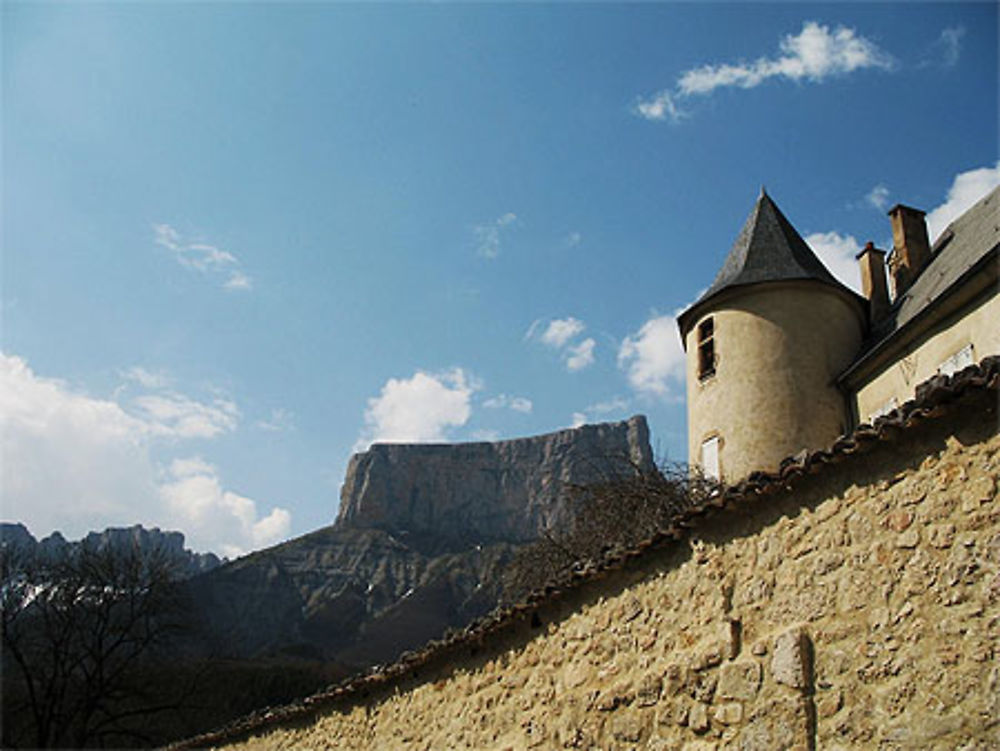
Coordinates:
[146,542]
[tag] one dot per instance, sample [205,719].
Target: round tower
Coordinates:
[764,345]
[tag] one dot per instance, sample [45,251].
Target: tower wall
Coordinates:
[778,347]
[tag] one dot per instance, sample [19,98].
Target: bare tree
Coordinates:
[630,503]
[78,636]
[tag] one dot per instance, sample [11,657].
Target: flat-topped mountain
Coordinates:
[500,491]
[420,544]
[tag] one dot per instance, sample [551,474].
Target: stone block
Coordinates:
[648,691]
[778,724]
[627,726]
[941,535]
[698,718]
[729,713]
[791,662]
[739,680]
[908,539]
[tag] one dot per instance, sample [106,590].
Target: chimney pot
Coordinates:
[873,283]
[911,248]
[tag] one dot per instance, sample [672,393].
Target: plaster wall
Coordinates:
[859,610]
[897,381]
[778,349]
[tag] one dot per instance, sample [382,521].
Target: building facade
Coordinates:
[782,357]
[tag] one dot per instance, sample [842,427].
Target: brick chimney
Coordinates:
[873,283]
[911,249]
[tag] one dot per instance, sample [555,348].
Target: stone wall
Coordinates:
[860,609]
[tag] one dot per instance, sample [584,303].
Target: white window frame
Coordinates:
[710,457]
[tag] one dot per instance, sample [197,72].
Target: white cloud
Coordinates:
[878,197]
[488,235]
[560,330]
[502,401]
[77,463]
[196,501]
[204,258]
[580,356]
[558,335]
[577,419]
[838,253]
[653,357]
[418,409]
[814,54]
[966,189]
[573,239]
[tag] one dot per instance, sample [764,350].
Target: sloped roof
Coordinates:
[768,249]
[960,246]
[966,245]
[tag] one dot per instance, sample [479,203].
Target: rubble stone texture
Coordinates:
[859,610]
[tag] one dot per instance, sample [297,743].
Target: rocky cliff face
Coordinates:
[420,545]
[479,492]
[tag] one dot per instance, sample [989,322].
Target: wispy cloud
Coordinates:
[560,330]
[203,258]
[878,197]
[572,240]
[175,415]
[488,235]
[946,49]
[660,106]
[516,403]
[814,54]
[558,334]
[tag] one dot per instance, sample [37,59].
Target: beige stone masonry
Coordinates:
[861,609]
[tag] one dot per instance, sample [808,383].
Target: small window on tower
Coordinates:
[706,348]
[710,457]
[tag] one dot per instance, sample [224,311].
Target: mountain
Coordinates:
[420,543]
[146,542]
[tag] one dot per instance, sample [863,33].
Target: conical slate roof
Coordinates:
[768,249]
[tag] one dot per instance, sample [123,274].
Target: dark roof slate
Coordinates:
[768,249]
[961,245]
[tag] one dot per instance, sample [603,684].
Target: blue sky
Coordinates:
[241,241]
